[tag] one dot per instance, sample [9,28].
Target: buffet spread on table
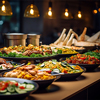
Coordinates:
[65,59]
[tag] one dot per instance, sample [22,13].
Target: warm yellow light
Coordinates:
[31,11]
[3,1]
[49,12]
[95,11]
[3,8]
[66,13]
[99,9]
[79,14]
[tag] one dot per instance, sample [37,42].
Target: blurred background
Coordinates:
[50,28]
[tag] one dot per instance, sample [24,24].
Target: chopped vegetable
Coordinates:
[11,87]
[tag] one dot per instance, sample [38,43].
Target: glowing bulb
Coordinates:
[79,14]
[3,8]
[99,9]
[95,11]
[31,11]
[49,12]
[66,13]
[3,1]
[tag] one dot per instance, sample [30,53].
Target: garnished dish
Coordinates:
[82,59]
[15,88]
[5,65]
[29,51]
[95,53]
[98,51]
[87,61]
[67,72]
[59,67]
[29,72]
[64,51]
[11,87]
[8,65]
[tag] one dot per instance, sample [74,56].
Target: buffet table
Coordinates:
[84,87]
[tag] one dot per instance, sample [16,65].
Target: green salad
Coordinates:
[14,87]
[95,54]
[14,54]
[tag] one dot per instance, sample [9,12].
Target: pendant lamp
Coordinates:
[5,8]
[31,11]
[66,14]
[95,10]
[50,13]
[79,14]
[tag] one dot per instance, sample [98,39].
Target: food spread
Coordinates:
[82,59]
[29,72]
[59,67]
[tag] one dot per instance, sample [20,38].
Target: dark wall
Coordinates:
[32,25]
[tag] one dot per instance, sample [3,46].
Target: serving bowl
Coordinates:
[89,67]
[42,83]
[45,83]
[17,96]
[69,76]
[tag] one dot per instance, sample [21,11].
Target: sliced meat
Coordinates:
[29,52]
[5,51]
[2,61]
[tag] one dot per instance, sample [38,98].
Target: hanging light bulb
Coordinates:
[50,11]
[65,13]
[99,9]
[50,14]
[31,11]
[95,11]
[5,8]
[79,14]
